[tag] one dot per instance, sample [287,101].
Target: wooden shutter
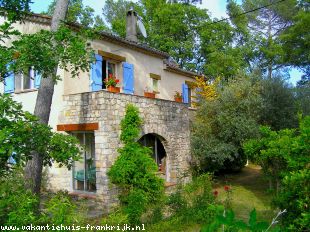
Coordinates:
[9,83]
[96,74]
[128,78]
[37,79]
[185,93]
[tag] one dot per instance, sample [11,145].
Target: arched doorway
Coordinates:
[159,155]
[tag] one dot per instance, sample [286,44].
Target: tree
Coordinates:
[295,40]
[223,123]
[33,170]
[279,109]
[265,24]
[21,134]
[303,95]
[78,13]
[284,157]
[134,170]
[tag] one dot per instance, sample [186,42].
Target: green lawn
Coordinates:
[249,191]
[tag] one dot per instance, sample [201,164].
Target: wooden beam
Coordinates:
[111,56]
[78,127]
[190,84]
[155,76]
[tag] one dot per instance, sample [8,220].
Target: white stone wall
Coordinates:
[168,119]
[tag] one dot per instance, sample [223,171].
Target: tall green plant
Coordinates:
[134,170]
[284,156]
[224,123]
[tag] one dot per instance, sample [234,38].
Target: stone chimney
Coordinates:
[131,25]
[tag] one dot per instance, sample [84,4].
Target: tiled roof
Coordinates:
[44,19]
[171,66]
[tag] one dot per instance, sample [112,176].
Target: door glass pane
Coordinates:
[84,171]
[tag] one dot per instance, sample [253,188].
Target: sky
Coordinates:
[217,8]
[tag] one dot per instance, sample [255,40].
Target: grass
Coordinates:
[249,191]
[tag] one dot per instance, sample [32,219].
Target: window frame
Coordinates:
[84,160]
[19,80]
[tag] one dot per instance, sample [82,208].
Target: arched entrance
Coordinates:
[154,142]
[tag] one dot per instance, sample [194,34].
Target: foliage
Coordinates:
[296,39]
[279,109]
[14,10]
[60,210]
[194,201]
[226,221]
[280,152]
[303,95]
[294,197]
[134,170]
[224,123]
[17,206]
[259,30]
[284,156]
[21,134]
[78,13]
[204,89]
[111,81]
[45,50]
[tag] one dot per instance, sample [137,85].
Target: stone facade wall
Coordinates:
[168,119]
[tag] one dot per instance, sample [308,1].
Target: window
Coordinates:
[189,96]
[108,68]
[84,170]
[155,82]
[155,85]
[158,151]
[25,80]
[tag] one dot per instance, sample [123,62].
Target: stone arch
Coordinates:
[161,152]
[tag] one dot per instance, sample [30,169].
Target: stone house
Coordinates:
[85,108]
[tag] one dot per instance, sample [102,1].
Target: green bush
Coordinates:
[60,209]
[294,197]
[284,157]
[194,202]
[134,171]
[17,206]
[223,124]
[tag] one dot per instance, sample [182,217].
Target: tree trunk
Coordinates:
[33,169]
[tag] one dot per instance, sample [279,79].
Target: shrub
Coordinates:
[223,123]
[134,171]
[294,197]
[17,206]
[194,202]
[284,156]
[60,209]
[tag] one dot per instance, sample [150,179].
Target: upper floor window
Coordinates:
[155,82]
[187,92]
[106,64]
[16,82]
[108,68]
[25,80]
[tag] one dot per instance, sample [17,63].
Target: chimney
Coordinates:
[131,25]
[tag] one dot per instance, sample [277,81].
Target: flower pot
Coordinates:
[178,99]
[149,95]
[114,89]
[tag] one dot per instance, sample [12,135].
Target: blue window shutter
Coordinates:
[185,92]
[37,79]
[128,78]
[9,83]
[96,74]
